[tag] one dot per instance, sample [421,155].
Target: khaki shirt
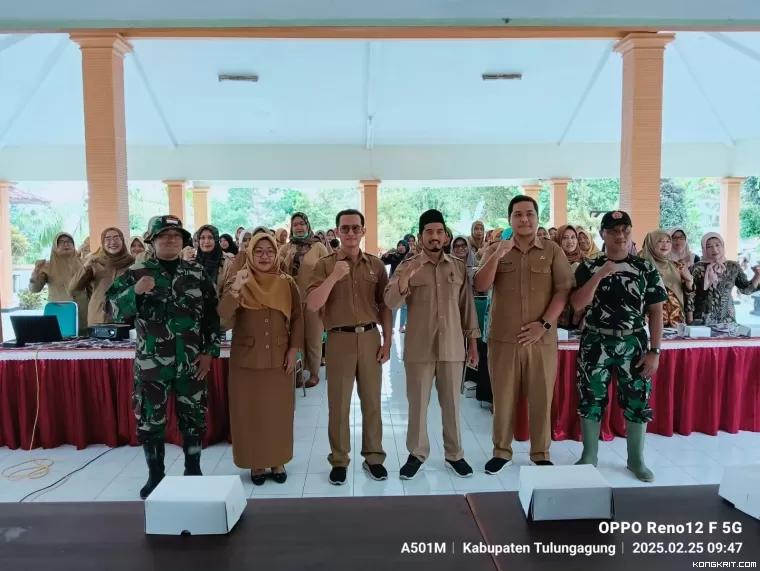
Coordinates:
[524,286]
[358,297]
[441,310]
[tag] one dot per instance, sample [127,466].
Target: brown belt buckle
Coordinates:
[359,329]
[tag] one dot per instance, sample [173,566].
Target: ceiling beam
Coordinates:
[47,67]
[589,87]
[154,99]
[12,41]
[738,46]
[728,139]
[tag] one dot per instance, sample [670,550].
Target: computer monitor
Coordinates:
[36,329]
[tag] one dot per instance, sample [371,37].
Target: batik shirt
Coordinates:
[621,299]
[175,322]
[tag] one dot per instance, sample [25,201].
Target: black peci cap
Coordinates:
[615,218]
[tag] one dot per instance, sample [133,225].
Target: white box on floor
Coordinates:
[195,505]
[740,486]
[748,331]
[565,492]
[561,334]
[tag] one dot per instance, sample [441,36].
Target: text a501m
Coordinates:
[422,548]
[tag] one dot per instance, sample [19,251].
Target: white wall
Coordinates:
[345,162]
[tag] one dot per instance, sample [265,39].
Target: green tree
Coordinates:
[20,246]
[749,214]
[588,198]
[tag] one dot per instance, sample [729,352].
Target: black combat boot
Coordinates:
[154,456]
[192,448]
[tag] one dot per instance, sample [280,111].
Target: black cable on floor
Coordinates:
[66,476]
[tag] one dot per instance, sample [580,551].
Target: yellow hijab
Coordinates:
[593,250]
[667,268]
[266,289]
[63,267]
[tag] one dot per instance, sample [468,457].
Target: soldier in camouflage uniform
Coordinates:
[616,289]
[173,304]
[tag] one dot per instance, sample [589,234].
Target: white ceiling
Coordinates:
[417,92]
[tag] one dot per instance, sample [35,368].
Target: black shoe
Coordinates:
[154,457]
[496,465]
[376,471]
[543,463]
[191,445]
[280,477]
[337,476]
[460,467]
[411,468]
[258,479]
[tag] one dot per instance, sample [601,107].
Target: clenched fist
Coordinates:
[342,269]
[38,265]
[609,268]
[188,254]
[241,278]
[504,247]
[145,285]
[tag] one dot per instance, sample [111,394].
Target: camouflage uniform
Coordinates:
[175,322]
[618,307]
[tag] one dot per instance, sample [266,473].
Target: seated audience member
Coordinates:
[57,273]
[715,278]
[679,283]
[99,271]
[228,244]
[680,251]
[265,305]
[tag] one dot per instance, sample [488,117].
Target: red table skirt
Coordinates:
[87,401]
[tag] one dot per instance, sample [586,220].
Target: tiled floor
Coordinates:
[121,472]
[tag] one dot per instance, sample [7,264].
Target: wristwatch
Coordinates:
[654,351]
[545,324]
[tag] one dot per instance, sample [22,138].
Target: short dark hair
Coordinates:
[348,212]
[517,200]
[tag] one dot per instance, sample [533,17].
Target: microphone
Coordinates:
[335,243]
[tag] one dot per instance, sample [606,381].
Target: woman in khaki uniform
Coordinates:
[57,274]
[99,272]
[297,259]
[210,255]
[266,337]
[136,246]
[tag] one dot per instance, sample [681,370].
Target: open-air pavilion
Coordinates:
[379,104]
[457,92]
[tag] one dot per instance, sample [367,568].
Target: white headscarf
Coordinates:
[685,256]
[714,268]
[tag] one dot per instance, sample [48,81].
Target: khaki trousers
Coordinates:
[532,371]
[419,384]
[352,356]
[313,331]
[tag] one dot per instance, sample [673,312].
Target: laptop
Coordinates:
[35,329]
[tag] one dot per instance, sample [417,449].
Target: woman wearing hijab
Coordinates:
[321,237]
[567,239]
[552,233]
[58,272]
[99,272]
[244,239]
[543,233]
[715,278]
[677,278]
[210,255]
[281,235]
[237,235]
[460,249]
[228,244]
[477,237]
[393,258]
[268,330]
[447,241]
[136,246]
[680,251]
[411,240]
[587,245]
[84,251]
[297,259]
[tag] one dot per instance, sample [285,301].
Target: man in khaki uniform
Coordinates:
[347,287]
[442,317]
[531,281]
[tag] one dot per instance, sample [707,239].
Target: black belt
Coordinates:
[354,329]
[614,332]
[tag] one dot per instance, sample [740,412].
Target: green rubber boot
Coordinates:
[590,431]
[635,440]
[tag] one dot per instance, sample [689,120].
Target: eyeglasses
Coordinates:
[264,253]
[346,229]
[460,246]
[112,239]
[65,243]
